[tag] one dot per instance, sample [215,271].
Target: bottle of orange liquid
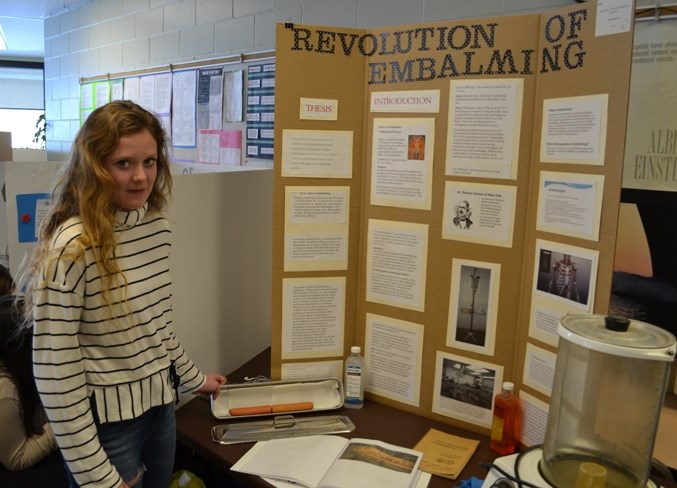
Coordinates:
[503,425]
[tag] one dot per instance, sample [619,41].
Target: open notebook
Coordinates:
[329,461]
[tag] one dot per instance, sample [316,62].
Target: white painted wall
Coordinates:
[98,37]
[221,258]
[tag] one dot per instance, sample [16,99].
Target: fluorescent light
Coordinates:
[3,41]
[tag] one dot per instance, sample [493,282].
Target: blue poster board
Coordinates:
[30,209]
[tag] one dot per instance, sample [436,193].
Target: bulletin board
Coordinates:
[436,188]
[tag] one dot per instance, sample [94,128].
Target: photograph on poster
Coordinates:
[464,388]
[565,273]
[416,147]
[473,306]
[481,213]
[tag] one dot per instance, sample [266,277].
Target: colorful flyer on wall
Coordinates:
[464,388]
[485,117]
[473,305]
[316,228]
[402,163]
[574,129]
[570,204]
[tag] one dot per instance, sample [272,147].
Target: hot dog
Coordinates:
[277,408]
[292,407]
[255,410]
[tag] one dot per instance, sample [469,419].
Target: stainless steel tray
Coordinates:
[279,427]
[321,393]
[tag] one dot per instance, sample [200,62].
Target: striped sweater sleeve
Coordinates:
[60,373]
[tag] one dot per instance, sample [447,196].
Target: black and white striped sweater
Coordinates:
[120,355]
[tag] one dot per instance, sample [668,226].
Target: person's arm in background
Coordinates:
[17,451]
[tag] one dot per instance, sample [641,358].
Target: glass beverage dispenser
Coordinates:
[610,380]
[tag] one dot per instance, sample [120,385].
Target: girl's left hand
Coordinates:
[213,384]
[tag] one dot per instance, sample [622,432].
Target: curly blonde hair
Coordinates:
[86,190]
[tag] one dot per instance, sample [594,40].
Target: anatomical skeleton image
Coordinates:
[563,280]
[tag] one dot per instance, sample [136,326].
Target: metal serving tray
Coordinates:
[322,393]
[279,427]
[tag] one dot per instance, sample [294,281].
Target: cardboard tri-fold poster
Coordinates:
[443,192]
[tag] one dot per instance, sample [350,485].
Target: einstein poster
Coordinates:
[650,161]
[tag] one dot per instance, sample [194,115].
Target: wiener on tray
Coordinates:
[275,397]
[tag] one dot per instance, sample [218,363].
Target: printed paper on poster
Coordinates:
[313,316]
[397,254]
[485,118]
[539,369]
[419,101]
[316,228]
[402,163]
[317,153]
[393,355]
[475,212]
[574,130]
[570,204]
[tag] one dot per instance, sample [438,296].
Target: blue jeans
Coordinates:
[146,445]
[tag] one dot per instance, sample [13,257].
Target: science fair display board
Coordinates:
[443,193]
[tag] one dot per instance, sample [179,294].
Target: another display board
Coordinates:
[443,193]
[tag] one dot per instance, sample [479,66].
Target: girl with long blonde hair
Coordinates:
[107,362]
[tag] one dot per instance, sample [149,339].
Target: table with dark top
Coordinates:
[194,422]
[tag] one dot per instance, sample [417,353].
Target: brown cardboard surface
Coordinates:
[325,76]
[515,50]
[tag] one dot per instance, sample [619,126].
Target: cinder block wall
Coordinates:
[98,37]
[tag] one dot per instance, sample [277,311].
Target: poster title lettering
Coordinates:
[469,50]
